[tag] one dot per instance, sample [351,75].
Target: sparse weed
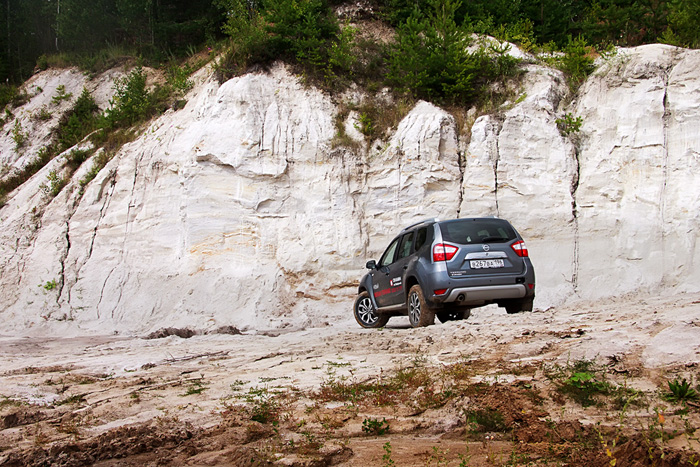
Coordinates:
[77,156]
[437,457]
[236,385]
[387,461]
[43,114]
[98,164]
[71,400]
[485,420]
[195,387]
[8,402]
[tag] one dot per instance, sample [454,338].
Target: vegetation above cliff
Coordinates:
[92,31]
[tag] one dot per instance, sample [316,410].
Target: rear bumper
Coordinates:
[491,293]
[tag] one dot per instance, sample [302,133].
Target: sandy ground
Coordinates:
[484,391]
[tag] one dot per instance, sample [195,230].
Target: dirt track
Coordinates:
[490,390]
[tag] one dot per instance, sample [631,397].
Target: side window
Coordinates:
[388,256]
[421,237]
[406,244]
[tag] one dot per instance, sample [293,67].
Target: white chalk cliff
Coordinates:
[240,210]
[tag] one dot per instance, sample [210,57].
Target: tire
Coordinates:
[419,312]
[452,315]
[365,314]
[519,305]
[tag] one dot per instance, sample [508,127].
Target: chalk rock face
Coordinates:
[519,167]
[241,210]
[638,197]
[218,214]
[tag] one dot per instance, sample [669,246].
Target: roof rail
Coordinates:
[425,221]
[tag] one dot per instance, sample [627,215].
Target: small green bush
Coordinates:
[18,136]
[54,184]
[582,381]
[373,426]
[569,124]
[76,157]
[49,285]
[11,95]
[61,94]
[131,103]
[98,164]
[16,179]
[680,391]
[265,407]
[179,79]
[577,61]
[78,122]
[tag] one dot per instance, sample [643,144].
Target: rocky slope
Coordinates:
[240,210]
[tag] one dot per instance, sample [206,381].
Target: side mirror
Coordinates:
[372,264]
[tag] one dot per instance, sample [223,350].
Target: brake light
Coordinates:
[520,249]
[440,291]
[444,252]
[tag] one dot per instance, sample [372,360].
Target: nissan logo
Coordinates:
[486,247]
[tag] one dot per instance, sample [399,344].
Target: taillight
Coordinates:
[444,252]
[439,291]
[520,249]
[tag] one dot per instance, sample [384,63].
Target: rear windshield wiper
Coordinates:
[493,239]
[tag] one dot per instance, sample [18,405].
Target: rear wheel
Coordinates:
[452,315]
[365,314]
[516,306]
[419,312]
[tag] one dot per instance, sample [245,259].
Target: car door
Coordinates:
[389,278]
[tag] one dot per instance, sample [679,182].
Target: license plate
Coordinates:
[486,263]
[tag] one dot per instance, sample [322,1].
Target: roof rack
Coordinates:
[434,219]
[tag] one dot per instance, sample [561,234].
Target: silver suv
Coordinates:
[444,269]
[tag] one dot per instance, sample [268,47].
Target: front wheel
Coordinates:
[365,314]
[419,312]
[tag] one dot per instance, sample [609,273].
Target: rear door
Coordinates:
[484,248]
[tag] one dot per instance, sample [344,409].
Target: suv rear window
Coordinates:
[470,231]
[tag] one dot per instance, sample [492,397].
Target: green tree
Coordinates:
[430,57]
[25,33]
[625,22]
[682,19]
[86,25]
[305,32]
[302,30]
[554,20]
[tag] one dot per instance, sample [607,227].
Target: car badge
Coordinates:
[486,247]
